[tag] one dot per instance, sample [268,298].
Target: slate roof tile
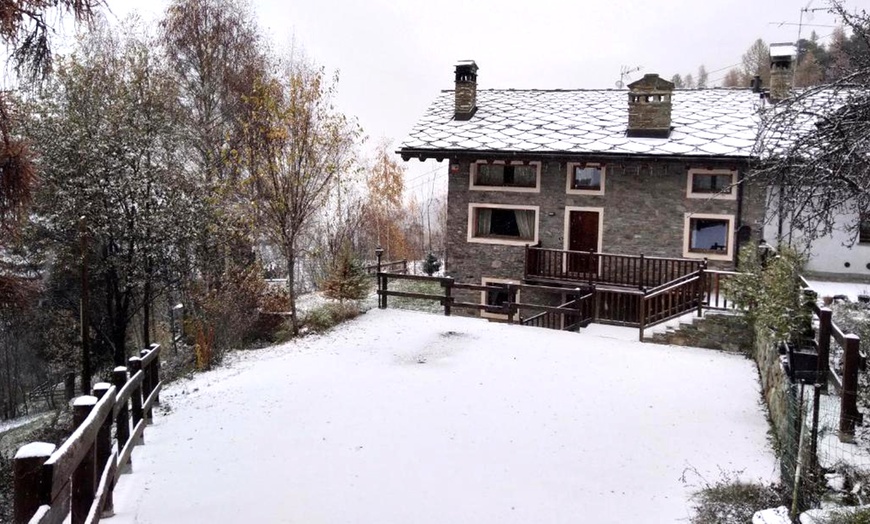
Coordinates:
[705,122]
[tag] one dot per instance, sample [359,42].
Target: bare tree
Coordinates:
[297,145]
[814,146]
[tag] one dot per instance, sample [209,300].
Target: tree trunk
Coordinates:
[291,289]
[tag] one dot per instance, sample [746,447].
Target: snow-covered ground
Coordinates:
[830,289]
[407,417]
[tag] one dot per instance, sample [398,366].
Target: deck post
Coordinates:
[30,486]
[642,315]
[84,478]
[825,322]
[849,415]
[640,277]
[512,298]
[702,280]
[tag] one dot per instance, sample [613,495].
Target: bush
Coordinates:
[730,501]
[861,516]
[431,264]
[347,280]
[329,315]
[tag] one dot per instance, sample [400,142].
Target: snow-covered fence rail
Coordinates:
[76,480]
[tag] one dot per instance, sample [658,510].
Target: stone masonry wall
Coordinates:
[643,212]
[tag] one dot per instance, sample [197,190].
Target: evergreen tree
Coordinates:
[431,264]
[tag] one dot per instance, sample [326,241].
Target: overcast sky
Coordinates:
[394,56]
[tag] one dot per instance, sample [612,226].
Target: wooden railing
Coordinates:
[636,271]
[847,383]
[76,480]
[672,300]
[397,266]
[714,291]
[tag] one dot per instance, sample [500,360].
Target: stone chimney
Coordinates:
[781,70]
[649,107]
[466,90]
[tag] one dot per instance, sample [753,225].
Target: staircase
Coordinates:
[719,330]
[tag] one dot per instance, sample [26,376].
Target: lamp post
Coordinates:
[379,252]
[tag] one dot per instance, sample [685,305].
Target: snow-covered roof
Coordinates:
[705,122]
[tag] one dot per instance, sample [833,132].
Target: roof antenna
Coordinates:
[624,71]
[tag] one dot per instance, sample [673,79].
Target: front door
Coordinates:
[582,236]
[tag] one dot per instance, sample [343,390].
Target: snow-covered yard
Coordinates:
[407,417]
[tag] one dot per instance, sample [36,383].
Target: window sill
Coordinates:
[506,241]
[709,255]
[713,196]
[593,192]
[506,189]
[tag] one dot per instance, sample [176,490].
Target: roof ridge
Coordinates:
[601,89]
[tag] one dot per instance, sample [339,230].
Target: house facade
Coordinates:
[652,170]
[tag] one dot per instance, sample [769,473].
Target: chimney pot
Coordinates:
[466,90]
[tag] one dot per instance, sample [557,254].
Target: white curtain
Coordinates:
[484,221]
[525,223]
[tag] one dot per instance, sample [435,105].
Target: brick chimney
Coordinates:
[781,70]
[649,107]
[466,90]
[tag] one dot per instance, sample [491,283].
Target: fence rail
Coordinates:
[395,267]
[75,481]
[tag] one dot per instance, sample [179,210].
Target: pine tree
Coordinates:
[431,264]
[347,280]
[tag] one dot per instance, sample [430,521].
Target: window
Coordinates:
[708,236]
[496,299]
[502,224]
[864,229]
[585,179]
[712,183]
[506,176]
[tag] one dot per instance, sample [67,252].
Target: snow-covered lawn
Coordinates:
[406,417]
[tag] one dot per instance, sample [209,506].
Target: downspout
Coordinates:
[740,181]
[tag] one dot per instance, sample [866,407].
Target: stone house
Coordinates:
[650,170]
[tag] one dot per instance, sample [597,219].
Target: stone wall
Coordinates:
[724,332]
[775,385]
[644,206]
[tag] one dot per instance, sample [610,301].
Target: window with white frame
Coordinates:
[502,224]
[585,179]
[712,183]
[709,236]
[497,297]
[506,176]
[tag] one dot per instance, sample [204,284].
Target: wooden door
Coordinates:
[582,236]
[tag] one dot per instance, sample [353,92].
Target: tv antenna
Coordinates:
[624,72]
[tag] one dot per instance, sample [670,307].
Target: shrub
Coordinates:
[861,516]
[347,280]
[329,315]
[730,501]
[431,264]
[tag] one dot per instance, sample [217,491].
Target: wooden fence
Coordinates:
[396,267]
[76,480]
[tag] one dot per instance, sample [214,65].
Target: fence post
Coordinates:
[448,297]
[849,415]
[122,421]
[136,396]
[589,263]
[69,385]
[156,371]
[642,314]
[30,486]
[147,386]
[84,478]
[814,435]
[104,450]
[512,298]
[701,286]
[825,321]
[597,304]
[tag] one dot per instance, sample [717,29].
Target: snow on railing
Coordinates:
[76,480]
